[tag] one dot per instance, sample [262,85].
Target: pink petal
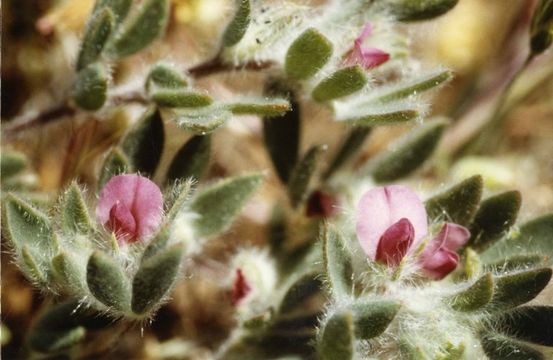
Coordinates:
[381,207]
[122,223]
[139,195]
[456,236]
[240,288]
[365,33]
[395,243]
[372,57]
[368,58]
[440,264]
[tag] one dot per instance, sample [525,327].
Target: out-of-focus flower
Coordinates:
[367,57]
[131,206]
[321,204]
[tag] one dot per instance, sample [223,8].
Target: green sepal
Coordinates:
[108,282]
[119,8]
[408,153]
[202,120]
[372,318]
[236,29]
[527,323]
[451,352]
[69,273]
[412,88]
[307,54]
[263,106]
[337,263]
[12,163]
[140,30]
[516,289]
[416,10]
[472,264]
[191,160]
[181,98]
[498,347]
[97,33]
[341,83]
[351,145]
[457,204]
[165,76]
[301,175]
[75,216]
[219,204]
[116,163]
[144,143]
[337,339]
[90,88]
[301,289]
[494,218]
[475,297]
[154,278]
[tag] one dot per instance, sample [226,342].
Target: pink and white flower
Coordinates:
[367,57]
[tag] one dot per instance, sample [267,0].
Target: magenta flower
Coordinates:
[240,288]
[392,221]
[131,206]
[367,57]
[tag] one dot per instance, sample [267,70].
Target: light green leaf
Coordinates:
[119,8]
[342,83]
[97,33]
[237,27]
[201,120]
[12,163]
[75,216]
[372,318]
[165,76]
[303,172]
[337,263]
[69,273]
[264,106]
[337,339]
[108,282]
[90,87]
[181,98]
[177,196]
[307,54]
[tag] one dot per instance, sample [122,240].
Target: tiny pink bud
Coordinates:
[441,264]
[395,243]
[240,288]
[131,206]
[321,204]
[367,57]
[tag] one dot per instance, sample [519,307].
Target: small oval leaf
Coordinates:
[337,339]
[342,83]
[372,318]
[301,176]
[475,297]
[337,263]
[307,54]
[90,87]
[237,27]
[108,282]
[97,33]
[181,98]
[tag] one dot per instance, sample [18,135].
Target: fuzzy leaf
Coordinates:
[33,267]
[201,120]
[371,318]
[69,273]
[408,153]
[119,8]
[97,33]
[519,288]
[342,83]
[264,106]
[177,197]
[351,145]
[157,244]
[219,204]
[145,141]
[91,86]
[307,54]
[337,263]
[528,323]
[337,339]
[302,174]
[191,160]
[499,347]
[116,163]
[457,204]
[181,98]
[518,262]
[282,133]
[304,287]
[108,282]
[474,297]
[237,27]
[154,278]
[494,218]
[165,76]
[140,30]
[12,163]
[415,10]
[375,115]
[76,218]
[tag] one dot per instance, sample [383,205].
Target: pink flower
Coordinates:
[131,206]
[240,288]
[392,221]
[367,57]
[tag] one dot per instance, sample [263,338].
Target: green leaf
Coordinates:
[75,216]
[165,76]
[154,279]
[342,83]
[494,218]
[532,238]
[372,318]
[97,33]
[177,197]
[108,282]
[416,10]
[33,267]
[516,289]
[409,351]
[351,145]
[140,30]
[181,98]
[408,153]
[475,297]
[191,160]
[116,163]
[337,263]
[472,265]
[528,323]
[264,106]
[282,133]
[201,120]
[457,204]
[90,87]
[69,273]
[337,339]
[541,33]
[518,262]
[12,163]
[307,54]
[374,115]
[119,8]
[145,141]
[300,290]
[499,347]
[157,244]
[219,204]
[237,27]
[302,174]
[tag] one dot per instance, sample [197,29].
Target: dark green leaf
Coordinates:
[307,54]
[337,262]
[237,27]
[516,289]
[299,291]
[90,87]
[191,160]
[157,244]
[342,83]
[415,10]
[116,163]
[518,262]
[475,297]
[372,318]
[119,8]
[303,172]
[75,212]
[97,33]
[351,145]
[528,323]
[337,339]
[181,98]
[108,282]
[376,118]
[499,347]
